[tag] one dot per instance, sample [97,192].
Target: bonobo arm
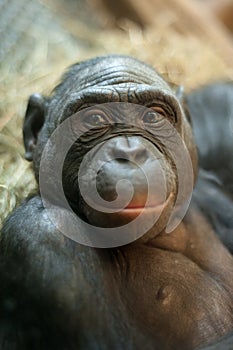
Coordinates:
[33,264]
[50,288]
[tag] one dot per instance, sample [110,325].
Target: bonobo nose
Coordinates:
[130,148]
[136,161]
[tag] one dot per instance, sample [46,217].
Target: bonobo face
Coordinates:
[129,131]
[124,170]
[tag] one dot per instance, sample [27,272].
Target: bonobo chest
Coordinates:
[176,289]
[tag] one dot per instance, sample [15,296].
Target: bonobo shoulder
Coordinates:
[29,240]
[29,222]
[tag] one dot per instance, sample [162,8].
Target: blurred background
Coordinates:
[189,41]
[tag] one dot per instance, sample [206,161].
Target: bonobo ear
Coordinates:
[181,97]
[33,122]
[180,93]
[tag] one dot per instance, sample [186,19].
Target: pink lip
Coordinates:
[136,210]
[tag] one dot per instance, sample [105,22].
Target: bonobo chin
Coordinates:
[128,242]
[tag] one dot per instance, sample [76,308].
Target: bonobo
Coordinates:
[116,250]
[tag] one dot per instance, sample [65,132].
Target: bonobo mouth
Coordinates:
[135,209]
[140,210]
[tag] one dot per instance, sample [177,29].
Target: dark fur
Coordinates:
[57,294]
[211,109]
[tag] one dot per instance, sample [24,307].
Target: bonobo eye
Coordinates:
[155,115]
[95,118]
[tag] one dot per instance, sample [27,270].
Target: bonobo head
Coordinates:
[129,133]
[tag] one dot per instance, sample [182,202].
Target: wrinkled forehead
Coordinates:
[111,79]
[114,71]
[110,71]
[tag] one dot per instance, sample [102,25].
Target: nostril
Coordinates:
[135,154]
[141,154]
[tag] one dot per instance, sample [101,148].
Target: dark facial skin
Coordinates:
[119,83]
[162,291]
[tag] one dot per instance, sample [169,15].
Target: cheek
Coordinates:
[70,176]
[171,179]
